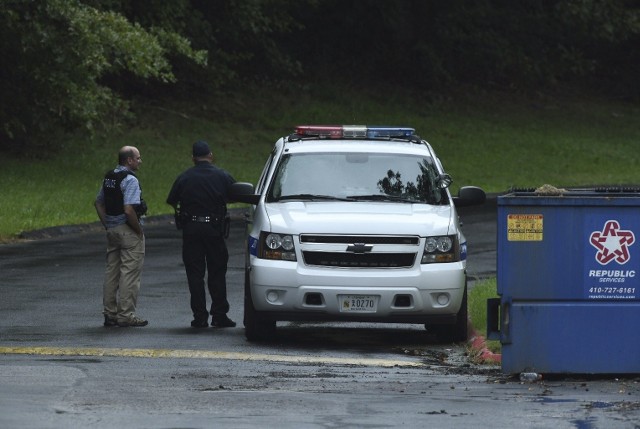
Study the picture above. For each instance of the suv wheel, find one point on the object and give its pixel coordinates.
(458, 332)
(257, 327)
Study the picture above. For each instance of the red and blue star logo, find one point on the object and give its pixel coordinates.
(612, 243)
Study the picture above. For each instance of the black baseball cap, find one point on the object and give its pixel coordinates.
(201, 148)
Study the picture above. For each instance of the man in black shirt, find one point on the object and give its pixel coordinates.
(200, 195)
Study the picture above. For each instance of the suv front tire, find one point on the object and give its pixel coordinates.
(257, 327)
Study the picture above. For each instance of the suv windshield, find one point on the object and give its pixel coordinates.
(357, 177)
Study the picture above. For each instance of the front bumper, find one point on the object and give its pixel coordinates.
(424, 294)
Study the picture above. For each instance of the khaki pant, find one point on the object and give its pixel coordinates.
(125, 256)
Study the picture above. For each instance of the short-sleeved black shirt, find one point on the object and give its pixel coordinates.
(201, 190)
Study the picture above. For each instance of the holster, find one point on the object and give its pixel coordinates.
(226, 226)
(141, 209)
(179, 218)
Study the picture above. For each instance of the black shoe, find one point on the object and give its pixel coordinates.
(199, 324)
(108, 321)
(223, 322)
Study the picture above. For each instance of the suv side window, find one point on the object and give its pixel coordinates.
(265, 171)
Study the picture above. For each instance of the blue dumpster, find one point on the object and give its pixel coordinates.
(568, 281)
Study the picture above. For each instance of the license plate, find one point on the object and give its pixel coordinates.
(358, 303)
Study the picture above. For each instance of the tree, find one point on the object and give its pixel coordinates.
(242, 38)
(58, 57)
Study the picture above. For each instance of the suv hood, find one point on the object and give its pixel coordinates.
(360, 218)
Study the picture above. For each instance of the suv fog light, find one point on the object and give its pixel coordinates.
(443, 299)
(272, 296)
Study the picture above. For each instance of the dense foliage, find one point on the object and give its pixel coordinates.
(520, 44)
(70, 64)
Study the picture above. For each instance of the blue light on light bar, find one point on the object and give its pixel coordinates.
(387, 132)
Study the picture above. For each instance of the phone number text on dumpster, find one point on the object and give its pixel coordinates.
(612, 292)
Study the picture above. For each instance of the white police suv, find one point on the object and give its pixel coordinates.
(355, 223)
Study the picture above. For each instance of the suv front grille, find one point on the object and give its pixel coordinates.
(359, 260)
(395, 256)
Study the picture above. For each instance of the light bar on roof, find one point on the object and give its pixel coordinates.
(354, 131)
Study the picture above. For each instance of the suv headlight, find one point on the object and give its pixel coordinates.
(277, 246)
(440, 249)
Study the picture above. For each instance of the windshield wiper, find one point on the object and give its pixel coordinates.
(311, 197)
(383, 197)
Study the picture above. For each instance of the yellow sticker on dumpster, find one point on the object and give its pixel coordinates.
(524, 227)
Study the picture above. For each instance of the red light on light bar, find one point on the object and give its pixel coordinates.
(326, 131)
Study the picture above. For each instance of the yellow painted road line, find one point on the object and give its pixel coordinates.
(203, 354)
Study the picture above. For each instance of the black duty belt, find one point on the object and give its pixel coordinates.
(203, 219)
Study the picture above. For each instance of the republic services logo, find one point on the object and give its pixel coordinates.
(612, 243)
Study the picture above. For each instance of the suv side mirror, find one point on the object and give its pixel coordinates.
(243, 192)
(469, 196)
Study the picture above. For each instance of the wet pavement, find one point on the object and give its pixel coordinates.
(60, 368)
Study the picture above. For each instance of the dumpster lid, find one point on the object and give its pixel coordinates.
(585, 192)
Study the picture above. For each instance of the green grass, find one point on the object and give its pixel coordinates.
(483, 139)
(477, 302)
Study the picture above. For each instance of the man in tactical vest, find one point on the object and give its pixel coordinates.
(200, 197)
(120, 207)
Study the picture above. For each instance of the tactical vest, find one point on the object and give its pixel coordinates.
(113, 198)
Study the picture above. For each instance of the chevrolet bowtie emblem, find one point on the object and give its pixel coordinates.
(359, 248)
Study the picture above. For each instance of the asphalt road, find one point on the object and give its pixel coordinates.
(59, 367)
